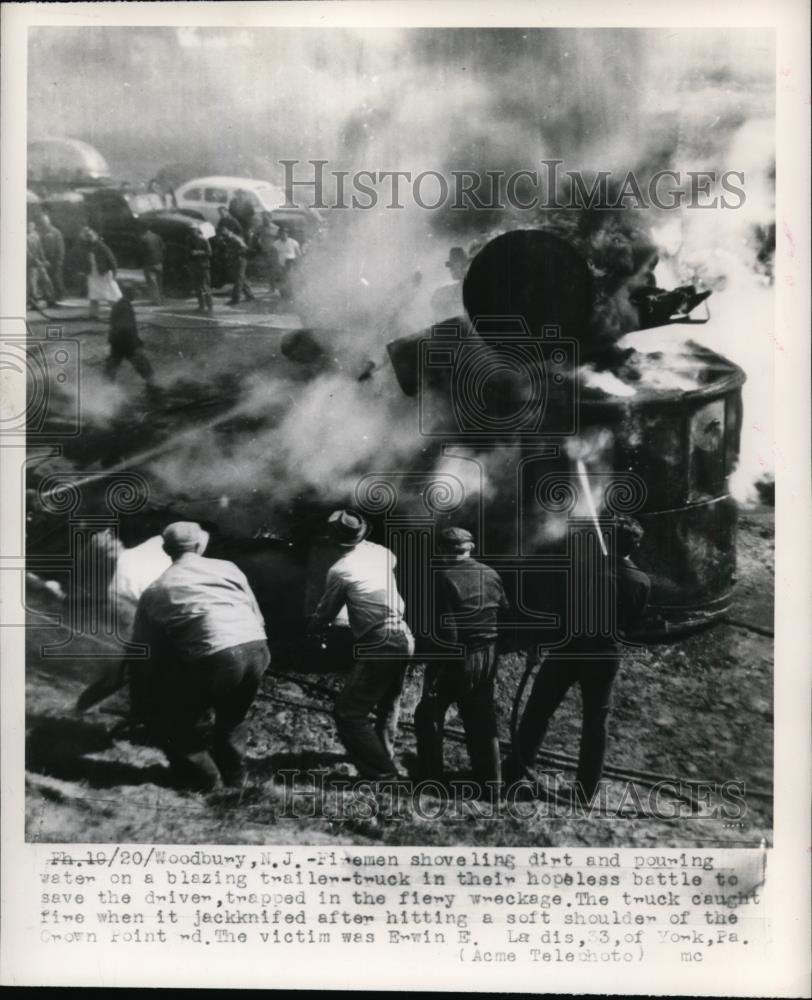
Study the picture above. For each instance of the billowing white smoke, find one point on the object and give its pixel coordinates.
(716, 249)
(426, 100)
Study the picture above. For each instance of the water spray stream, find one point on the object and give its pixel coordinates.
(590, 502)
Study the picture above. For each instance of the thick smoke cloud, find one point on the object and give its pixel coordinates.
(239, 101)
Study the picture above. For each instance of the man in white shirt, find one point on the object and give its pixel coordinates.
(288, 253)
(363, 579)
(207, 649)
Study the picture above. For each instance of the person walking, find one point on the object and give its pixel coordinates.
(153, 252)
(590, 661)
(236, 250)
(242, 209)
(288, 254)
(226, 221)
(208, 649)
(125, 342)
(99, 265)
(468, 598)
(38, 282)
(199, 257)
(363, 579)
(265, 239)
(53, 249)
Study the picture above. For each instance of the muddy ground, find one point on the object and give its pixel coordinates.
(695, 710)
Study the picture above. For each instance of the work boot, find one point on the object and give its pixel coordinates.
(233, 777)
(194, 772)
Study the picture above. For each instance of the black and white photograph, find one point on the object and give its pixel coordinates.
(404, 463)
(400, 458)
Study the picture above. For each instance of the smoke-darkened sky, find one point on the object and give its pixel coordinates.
(412, 98)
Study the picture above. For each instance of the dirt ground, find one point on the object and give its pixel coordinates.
(696, 710)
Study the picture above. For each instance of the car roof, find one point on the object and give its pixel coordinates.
(171, 218)
(65, 196)
(235, 182)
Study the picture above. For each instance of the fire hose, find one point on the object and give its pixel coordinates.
(648, 778)
(108, 685)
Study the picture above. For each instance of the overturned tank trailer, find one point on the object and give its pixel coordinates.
(568, 428)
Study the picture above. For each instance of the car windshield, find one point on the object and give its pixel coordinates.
(140, 203)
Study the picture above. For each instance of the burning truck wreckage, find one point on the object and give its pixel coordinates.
(545, 408)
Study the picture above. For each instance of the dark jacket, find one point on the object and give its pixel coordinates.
(625, 598)
(468, 597)
(123, 338)
(234, 245)
(152, 250)
(243, 211)
(633, 589)
(105, 259)
(53, 245)
(33, 249)
(227, 221)
(199, 250)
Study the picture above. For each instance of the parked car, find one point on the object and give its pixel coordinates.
(207, 194)
(121, 217)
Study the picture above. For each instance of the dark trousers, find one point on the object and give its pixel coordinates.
(173, 698)
(137, 358)
(595, 673)
(468, 683)
(373, 688)
(154, 276)
(55, 274)
(39, 284)
(241, 286)
(201, 276)
(286, 279)
(271, 269)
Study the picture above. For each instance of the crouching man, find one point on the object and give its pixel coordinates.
(363, 579)
(468, 597)
(207, 650)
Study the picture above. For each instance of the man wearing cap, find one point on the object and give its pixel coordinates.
(207, 649)
(468, 597)
(446, 302)
(363, 579)
(590, 661)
